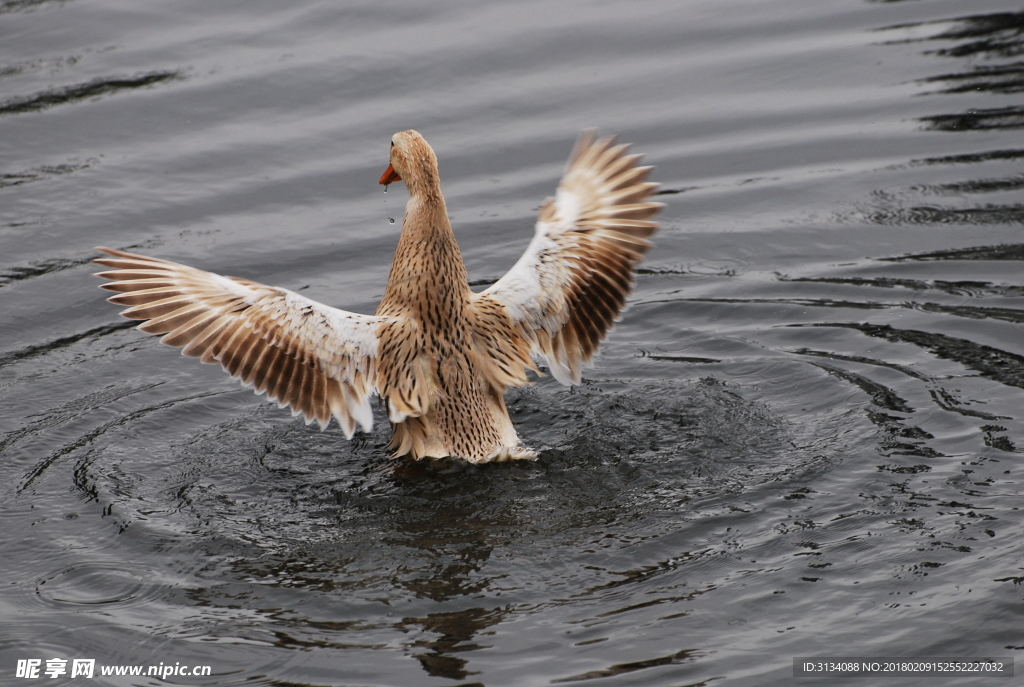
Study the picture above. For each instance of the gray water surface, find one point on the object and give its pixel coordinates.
(803, 438)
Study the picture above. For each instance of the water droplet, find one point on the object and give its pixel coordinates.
(391, 220)
(385, 188)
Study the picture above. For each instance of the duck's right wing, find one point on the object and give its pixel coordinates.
(319, 360)
(570, 285)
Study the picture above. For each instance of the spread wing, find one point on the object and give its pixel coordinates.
(570, 285)
(317, 359)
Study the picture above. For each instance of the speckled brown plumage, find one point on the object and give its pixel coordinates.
(439, 355)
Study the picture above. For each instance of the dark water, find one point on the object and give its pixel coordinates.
(804, 438)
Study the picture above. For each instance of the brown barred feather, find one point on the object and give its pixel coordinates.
(590, 237)
(254, 331)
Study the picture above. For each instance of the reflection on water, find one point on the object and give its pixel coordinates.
(39, 174)
(978, 120)
(69, 94)
(969, 158)
(16, 5)
(1006, 251)
(38, 269)
(996, 40)
(294, 513)
(1001, 366)
(992, 38)
(624, 668)
(455, 633)
(989, 47)
(1000, 34)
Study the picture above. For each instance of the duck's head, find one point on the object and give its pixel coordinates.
(412, 161)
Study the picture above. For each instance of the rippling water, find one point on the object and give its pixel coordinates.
(802, 439)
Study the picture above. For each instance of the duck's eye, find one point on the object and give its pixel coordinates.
(392, 144)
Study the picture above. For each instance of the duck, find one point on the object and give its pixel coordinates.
(439, 355)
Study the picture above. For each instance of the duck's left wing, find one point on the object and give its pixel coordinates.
(568, 288)
(319, 360)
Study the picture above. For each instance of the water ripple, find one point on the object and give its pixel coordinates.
(95, 584)
(998, 365)
(83, 91)
(802, 435)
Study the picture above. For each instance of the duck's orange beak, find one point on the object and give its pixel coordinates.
(389, 176)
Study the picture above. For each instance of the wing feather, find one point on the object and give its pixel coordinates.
(320, 361)
(566, 291)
